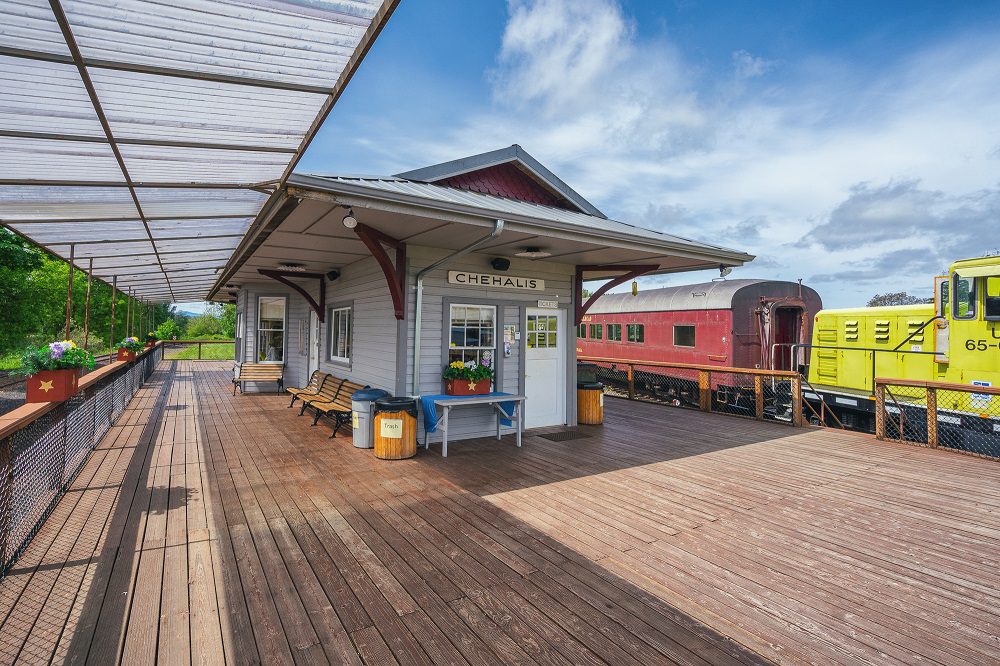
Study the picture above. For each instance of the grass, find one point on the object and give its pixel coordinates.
(210, 351)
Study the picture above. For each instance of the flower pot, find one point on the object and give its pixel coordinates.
(466, 387)
(125, 355)
(53, 385)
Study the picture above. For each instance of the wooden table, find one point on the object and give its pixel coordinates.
(493, 400)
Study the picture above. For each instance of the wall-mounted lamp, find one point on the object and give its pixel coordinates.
(500, 263)
(724, 270)
(333, 275)
(635, 288)
(349, 220)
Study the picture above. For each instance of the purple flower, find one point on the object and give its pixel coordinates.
(485, 362)
(56, 350)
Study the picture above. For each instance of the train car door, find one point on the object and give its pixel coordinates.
(786, 323)
(545, 368)
(942, 303)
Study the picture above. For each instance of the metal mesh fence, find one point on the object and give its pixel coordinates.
(747, 394)
(966, 420)
(39, 461)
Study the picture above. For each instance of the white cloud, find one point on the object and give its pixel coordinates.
(747, 66)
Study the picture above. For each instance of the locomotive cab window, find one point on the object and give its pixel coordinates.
(992, 305)
(636, 332)
(614, 332)
(596, 331)
(964, 306)
(684, 335)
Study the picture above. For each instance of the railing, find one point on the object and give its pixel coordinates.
(958, 417)
(44, 445)
(795, 349)
(199, 350)
(760, 394)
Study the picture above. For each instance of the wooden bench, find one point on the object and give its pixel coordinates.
(258, 372)
(328, 390)
(339, 409)
(310, 389)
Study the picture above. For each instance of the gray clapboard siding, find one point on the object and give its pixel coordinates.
(296, 310)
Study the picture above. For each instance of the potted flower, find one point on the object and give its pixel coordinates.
(128, 348)
(151, 340)
(54, 371)
(468, 378)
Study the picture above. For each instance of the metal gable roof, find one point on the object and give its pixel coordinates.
(485, 204)
(144, 137)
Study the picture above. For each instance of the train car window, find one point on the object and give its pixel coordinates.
(965, 297)
(992, 309)
(581, 331)
(636, 332)
(945, 298)
(615, 332)
(596, 331)
(683, 335)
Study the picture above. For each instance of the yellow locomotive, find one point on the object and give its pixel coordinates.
(956, 339)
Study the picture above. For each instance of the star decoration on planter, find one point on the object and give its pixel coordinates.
(45, 386)
(472, 386)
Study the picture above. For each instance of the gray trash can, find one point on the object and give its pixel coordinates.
(362, 403)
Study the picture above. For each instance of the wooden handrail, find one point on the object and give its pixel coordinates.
(941, 386)
(689, 366)
(204, 342)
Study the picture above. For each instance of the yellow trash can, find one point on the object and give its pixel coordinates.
(395, 428)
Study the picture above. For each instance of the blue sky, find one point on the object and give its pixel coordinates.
(852, 144)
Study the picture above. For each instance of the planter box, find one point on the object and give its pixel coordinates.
(125, 355)
(466, 387)
(53, 385)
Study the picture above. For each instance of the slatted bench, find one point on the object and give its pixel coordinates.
(339, 409)
(310, 389)
(258, 372)
(328, 390)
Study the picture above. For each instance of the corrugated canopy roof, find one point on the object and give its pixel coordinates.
(150, 135)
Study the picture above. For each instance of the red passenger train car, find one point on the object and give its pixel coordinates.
(732, 323)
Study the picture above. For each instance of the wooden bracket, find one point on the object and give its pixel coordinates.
(633, 271)
(283, 278)
(395, 276)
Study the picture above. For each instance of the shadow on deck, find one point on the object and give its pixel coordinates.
(212, 528)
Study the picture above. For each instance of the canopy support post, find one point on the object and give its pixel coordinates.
(114, 299)
(86, 310)
(633, 271)
(283, 277)
(69, 290)
(395, 276)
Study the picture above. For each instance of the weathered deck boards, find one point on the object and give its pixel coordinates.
(210, 528)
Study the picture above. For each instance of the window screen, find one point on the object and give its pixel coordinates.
(684, 335)
(271, 329)
(340, 334)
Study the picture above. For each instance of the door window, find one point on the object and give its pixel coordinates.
(543, 331)
(473, 333)
(271, 329)
(965, 297)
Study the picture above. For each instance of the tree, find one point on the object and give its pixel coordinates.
(203, 326)
(896, 298)
(168, 330)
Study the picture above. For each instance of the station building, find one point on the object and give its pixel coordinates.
(385, 280)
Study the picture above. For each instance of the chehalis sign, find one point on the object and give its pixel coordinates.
(491, 280)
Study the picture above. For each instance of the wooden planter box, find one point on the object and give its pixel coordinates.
(466, 387)
(53, 385)
(125, 355)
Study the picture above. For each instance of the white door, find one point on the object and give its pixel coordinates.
(314, 342)
(545, 368)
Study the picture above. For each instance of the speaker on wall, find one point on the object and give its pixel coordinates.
(500, 263)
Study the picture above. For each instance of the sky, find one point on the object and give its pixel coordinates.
(855, 145)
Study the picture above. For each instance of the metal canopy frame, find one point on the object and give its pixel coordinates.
(139, 113)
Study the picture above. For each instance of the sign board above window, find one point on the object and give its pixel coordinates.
(491, 280)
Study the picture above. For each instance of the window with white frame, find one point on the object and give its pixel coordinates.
(340, 334)
(238, 342)
(472, 331)
(271, 329)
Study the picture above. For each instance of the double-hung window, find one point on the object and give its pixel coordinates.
(271, 329)
(472, 331)
(340, 335)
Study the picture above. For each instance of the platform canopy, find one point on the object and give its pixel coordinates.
(148, 136)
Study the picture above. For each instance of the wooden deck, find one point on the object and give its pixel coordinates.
(210, 528)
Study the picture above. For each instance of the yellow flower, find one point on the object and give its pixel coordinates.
(72, 345)
(457, 364)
